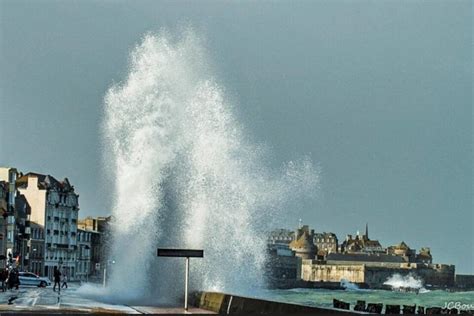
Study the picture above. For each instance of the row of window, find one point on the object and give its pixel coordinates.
(62, 233)
(83, 237)
(66, 220)
(327, 240)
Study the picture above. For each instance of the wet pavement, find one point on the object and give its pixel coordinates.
(34, 299)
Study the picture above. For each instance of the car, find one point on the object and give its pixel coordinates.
(28, 278)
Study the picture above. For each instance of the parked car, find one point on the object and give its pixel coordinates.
(28, 278)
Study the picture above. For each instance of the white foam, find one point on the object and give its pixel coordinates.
(186, 175)
(397, 281)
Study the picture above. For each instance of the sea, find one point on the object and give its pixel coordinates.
(324, 298)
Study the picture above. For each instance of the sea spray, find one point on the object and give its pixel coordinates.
(397, 281)
(186, 174)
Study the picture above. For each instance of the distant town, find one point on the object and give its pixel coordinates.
(40, 229)
(305, 258)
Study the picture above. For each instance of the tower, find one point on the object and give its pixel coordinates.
(367, 231)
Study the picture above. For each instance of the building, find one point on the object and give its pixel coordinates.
(303, 245)
(37, 247)
(402, 250)
(55, 206)
(99, 229)
(84, 239)
(281, 236)
(424, 256)
(326, 243)
(361, 244)
(284, 268)
(3, 221)
(15, 230)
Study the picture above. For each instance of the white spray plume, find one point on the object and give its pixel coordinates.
(186, 175)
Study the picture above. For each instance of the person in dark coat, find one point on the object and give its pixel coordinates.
(13, 279)
(57, 279)
(3, 278)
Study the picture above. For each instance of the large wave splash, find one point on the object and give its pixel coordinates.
(186, 175)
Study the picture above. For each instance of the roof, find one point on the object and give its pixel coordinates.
(325, 235)
(36, 225)
(282, 233)
(364, 257)
(372, 243)
(304, 242)
(44, 181)
(402, 245)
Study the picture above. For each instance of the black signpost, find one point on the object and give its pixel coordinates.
(183, 253)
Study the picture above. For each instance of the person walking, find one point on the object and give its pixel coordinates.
(3, 278)
(13, 279)
(64, 279)
(57, 279)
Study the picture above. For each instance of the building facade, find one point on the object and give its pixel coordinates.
(99, 229)
(84, 239)
(15, 230)
(326, 243)
(361, 244)
(54, 205)
(303, 245)
(36, 253)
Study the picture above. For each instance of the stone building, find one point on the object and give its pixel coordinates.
(84, 240)
(281, 236)
(303, 245)
(99, 229)
(326, 243)
(361, 244)
(3, 221)
(55, 206)
(402, 250)
(36, 249)
(283, 268)
(15, 230)
(424, 256)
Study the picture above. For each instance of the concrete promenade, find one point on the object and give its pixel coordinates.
(44, 300)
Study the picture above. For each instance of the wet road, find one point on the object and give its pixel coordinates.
(28, 298)
(34, 299)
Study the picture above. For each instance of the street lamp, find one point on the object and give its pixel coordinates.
(105, 271)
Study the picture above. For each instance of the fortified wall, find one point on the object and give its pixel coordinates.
(374, 275)
(314, 271)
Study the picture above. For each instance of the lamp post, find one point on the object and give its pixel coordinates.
(104, 281)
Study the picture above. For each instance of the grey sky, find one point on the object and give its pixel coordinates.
(379, 93)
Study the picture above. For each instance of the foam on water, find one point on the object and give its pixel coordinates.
(398, 281)
(186, 174)
(349, 286)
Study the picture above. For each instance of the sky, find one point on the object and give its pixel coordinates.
(377, 93)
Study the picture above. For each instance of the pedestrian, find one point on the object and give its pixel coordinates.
(3, 278)
(13, 279)
(57, 279)
(64, 279)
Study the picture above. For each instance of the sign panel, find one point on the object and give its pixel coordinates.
(166, 252)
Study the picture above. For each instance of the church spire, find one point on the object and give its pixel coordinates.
(367, 231)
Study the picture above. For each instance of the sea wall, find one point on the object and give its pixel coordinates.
(227, 304)
(311, 271)
(464, 281)
(374, 276)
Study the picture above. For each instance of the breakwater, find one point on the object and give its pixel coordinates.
(228, 304)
